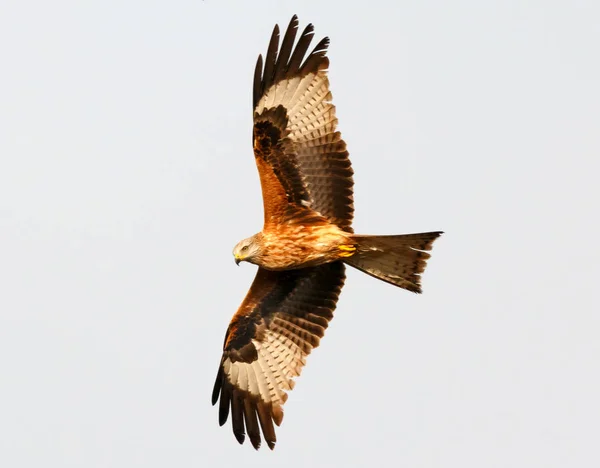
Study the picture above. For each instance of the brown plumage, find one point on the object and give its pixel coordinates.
(306, 181)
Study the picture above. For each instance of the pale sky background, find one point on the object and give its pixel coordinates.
(126, 178)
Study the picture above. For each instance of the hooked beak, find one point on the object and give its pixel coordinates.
(237, 260)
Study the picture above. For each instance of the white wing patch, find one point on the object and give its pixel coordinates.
(271, 375)
(307, 101)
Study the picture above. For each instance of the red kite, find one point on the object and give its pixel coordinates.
(306, 241)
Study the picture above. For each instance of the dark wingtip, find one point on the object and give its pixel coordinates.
(259, 65)
(224, 410)
(255, 441)
(294, 23)
(240, 437)
(217, 387)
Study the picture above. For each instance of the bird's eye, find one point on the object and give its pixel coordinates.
(244, 248)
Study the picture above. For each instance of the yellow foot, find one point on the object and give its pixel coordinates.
(347, 250)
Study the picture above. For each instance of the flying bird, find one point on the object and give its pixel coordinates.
(306, 241)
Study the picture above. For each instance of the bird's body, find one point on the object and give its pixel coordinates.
(307, 238)
(295, 244)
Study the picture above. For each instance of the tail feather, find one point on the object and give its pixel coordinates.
(398, 260)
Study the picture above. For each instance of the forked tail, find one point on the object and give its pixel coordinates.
(398, 260)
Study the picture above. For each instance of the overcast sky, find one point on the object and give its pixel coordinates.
(127, 176)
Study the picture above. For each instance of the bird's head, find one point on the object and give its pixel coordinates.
(247, 250)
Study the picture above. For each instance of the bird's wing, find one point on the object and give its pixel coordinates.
(279, 322)
(301, 158)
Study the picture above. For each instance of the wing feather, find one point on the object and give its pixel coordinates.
(270, 61)
(298, 164)
(258, 84)
(305, 39)
(250, 418)
(280, 321)
(224, 406)
(286, 49)
(237, 415)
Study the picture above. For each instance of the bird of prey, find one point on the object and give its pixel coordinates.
(306, 241)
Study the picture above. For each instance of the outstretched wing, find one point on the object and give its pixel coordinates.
(301, 158)
(279, 322)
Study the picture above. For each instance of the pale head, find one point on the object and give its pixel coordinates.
(247, 250)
